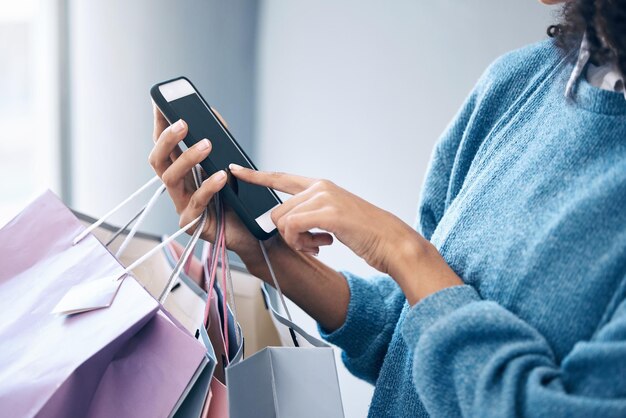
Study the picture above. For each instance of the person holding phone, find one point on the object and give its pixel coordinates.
(509, 298)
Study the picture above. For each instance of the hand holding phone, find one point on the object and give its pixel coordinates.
(178, 99)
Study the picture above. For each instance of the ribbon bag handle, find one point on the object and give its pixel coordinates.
(212, 255)
(185, 258)
(100, 293)
(106, 216)
(280, 293)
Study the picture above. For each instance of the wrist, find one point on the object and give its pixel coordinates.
(407, 256)
(252, 256)
(420, 270)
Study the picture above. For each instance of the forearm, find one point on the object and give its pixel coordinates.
(318, 289)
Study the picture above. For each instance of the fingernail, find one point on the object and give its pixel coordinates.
(203, 145)
(234, 167)
(220, 175)
(178, 126)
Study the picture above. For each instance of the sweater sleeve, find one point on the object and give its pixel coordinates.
(374, 308)
(472, 357)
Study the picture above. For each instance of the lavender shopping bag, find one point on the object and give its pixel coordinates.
(127, 360)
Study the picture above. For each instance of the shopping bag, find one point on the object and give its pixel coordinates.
(152, 274)
(185, 302)
(80, 365)
(299, 380)
(219, 322)
(253, 314)
(200, 393)
(225, 332)
(285, 382)
(144, 370)
(290, 333)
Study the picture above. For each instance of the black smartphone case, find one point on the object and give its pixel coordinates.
(227, 193)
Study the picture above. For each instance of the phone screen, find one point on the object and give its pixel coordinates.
(203, 124)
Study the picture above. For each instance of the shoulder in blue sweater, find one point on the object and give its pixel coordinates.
(524, 199)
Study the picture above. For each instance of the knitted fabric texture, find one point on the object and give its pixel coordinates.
(525, 199)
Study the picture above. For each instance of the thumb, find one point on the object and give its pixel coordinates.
(219, 116)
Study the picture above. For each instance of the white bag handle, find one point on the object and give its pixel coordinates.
(191, 244)
(280, 293)
(187, 252)
(140, 217)
(100, 221)
(144, 212)
(157, 248)
(274, 280)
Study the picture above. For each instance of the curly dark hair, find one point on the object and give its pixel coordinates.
(605, 24)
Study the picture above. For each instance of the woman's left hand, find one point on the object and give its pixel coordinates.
(383, 240)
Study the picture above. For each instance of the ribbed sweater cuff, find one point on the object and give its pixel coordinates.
(365, 319)
(434, 307)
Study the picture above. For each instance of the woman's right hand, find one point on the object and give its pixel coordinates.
(174, 167)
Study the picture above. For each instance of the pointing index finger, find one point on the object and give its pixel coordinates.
(287, 183)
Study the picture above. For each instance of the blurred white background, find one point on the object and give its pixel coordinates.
(354, 91)
(29, 88)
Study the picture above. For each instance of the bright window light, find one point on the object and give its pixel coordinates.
(28, 115)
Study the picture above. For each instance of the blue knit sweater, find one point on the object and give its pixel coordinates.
(525, 199)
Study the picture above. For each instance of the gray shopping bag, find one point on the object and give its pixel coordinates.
(298, 380)
(285, 382)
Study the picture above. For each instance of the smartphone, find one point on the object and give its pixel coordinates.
(179, 99)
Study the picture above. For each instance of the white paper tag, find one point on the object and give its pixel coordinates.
(89, 296)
